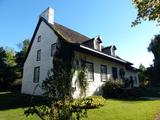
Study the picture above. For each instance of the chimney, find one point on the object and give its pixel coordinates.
(48, 15)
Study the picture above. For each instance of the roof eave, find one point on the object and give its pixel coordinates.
(98, 53)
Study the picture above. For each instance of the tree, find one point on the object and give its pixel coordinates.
(2, 56)
(6, 73)
(11, 65)
(154, 47)
(20, 56)
(147, 10)
(142, 74)
(3, 64)
(10, 57)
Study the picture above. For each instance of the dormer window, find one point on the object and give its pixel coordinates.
(110, 50)
(113, 48)
(94, 43)
(39, 38)
(97, 43)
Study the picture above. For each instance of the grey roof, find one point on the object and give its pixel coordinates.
(68, 34)
(108, 47)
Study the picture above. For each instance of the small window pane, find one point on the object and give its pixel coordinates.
(38, 55)
(103, 72)
(90, 71)
(53, 49)
(39, 38)
(36, 74)
(114, 73)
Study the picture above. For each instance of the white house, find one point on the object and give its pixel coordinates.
(102, 62)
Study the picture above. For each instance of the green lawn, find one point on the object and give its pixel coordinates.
(126, 110)
(12, 106)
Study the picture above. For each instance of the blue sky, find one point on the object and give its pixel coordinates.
(109, 18)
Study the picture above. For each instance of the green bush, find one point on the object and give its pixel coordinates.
(89, 102)
(131, 93)
(16, 85)
(112, 88)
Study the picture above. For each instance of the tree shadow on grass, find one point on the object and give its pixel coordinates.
(10, 100)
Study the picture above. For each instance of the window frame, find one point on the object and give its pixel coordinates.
(39, 38)
(116, 73)
(105, 66)
(54, 44)
(135, 80)
(87, 62)
(38, 55)
(35, 73)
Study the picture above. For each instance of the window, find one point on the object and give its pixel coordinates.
(97, 45)
(38, 55)
(103, 72)
(53, 49)
(114, 73)
(135, 80)
(131, 81)
(90, 71)
(36, 74)
(39, 38)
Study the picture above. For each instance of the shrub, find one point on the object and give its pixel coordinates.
(16, 85)
(89, 102)
(131, 93)
(112, 88)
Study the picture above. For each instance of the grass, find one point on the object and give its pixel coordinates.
(126, 110)
(12, 107)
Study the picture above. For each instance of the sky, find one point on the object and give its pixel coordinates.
(109, 18)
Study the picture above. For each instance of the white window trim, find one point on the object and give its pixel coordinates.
(90, 80)
(102, 80)
(35, 73)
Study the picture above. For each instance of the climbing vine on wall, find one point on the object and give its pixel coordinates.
(82, 77)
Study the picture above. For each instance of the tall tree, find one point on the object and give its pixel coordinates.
(142, 75)
(6, 73)
(154, 47)
(2, 55)
(3, 64)
(147, 10)
(21, 54)
(10, 57)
